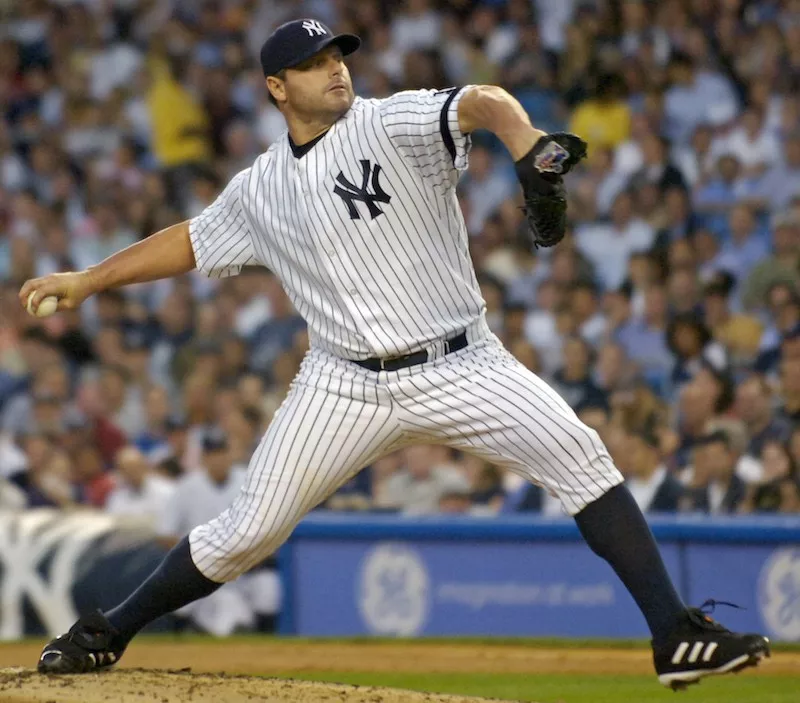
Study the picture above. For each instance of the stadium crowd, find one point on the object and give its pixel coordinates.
(669, 318)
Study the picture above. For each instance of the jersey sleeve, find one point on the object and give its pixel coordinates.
(221, 237)
(424, 125)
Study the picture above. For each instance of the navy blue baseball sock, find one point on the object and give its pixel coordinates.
(615, 529)
(175, 583)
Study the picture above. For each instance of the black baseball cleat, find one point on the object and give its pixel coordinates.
(702, 647)
(88, 646)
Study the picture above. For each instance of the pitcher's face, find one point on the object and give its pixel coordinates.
(320, 87)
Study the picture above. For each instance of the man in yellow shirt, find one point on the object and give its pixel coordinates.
(181, 135)
(605, 119)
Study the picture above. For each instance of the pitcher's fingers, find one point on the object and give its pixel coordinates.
(28, 287)
(41, 288)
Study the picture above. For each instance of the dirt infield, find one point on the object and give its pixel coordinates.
(140, 686)
(153, 670)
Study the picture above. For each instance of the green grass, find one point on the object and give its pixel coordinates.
(544, 688)
(538, 643)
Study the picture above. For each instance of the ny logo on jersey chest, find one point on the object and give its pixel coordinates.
(350, 192)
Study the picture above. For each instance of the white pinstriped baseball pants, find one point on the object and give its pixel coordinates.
(338, 417)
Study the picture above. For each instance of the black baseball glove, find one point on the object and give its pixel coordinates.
(540, 172)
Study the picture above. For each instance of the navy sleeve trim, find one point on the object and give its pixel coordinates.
(444, 123)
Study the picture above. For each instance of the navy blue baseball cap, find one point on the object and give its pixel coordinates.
(294, 42)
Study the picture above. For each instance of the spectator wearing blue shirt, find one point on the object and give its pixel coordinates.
(781, 183)
(713, 200)
(746, 246)
(645, 339)
(696, 97)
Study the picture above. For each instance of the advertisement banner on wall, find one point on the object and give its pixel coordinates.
(764, 581)
(531, 577)
(512, 589)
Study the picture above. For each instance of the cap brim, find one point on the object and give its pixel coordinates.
(348, 43)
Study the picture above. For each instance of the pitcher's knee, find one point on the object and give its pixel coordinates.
(223, 552)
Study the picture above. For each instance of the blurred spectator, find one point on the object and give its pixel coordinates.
(604, 120)
(486, 486)
(790, 389)
(748, 467)
(657, 170)
(46, 480)
(739, 333)
(584, 303)
(573, 381)
(426, 475)
(152, 440)
(645, 339)
(486, 187)
(781, 266)
(203, 494)
(715, 488)
(781, 183)
(140, 492)
(654, 489)
(773, 493)
(90, 475)
(745, 247)
(696, 96)
(691, 343)
(754, 404)
(608, 246)
(197, 498)
(277, 334)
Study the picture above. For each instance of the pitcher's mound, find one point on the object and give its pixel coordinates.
(146, 686)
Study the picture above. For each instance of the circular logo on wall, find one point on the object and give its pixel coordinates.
(394, 590)
(779, 594)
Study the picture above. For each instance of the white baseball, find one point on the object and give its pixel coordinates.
(47, 306)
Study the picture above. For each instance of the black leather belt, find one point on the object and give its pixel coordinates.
(401, 362)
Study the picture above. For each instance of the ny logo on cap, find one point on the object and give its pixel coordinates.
(313, 27)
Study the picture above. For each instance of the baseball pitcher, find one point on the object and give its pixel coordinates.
(355, 210)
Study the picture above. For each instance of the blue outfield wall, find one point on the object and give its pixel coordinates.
(525, 576)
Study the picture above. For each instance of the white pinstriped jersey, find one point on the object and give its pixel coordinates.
(364, 229)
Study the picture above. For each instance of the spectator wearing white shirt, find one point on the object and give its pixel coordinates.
(609, 246)
(653, 488)
(541, 329)
(203, 494)
(755, 146)
(140, 492)
(696, 160)
(426, 476)
(200, 496)
(585, 303)
(419, 27)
